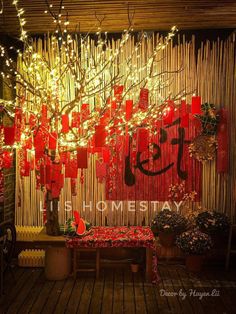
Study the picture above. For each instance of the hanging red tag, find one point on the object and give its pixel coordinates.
(53, 140)
(71, 169)
(184, 115)
(32, 120)
(18, 125)
(9, 135)
(100, 136)
(128, 109)
(65, 123)
(101, 170)
(106, 155)
(169, 113)
(75, 122)
(118, 91)
(142, 139)
(7, 160)
(196, 105)
(82, 158)
(84, 112)
(143, 98)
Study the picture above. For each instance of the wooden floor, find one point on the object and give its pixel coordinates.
(119, 291)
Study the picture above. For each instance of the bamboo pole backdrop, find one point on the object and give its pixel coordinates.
(211, 73)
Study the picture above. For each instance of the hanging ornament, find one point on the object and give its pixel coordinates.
(203, 148)
(143, 98)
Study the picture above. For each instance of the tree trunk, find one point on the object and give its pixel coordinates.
(52, 225)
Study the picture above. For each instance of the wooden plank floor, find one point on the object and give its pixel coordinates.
(120, 291)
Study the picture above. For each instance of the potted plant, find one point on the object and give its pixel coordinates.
(168, 224)
(215, 224)
(195, 244)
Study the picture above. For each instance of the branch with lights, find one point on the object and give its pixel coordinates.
(76, 95)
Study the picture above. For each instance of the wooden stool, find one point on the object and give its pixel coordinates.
(76, 255)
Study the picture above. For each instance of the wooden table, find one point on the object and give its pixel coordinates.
(128, 237)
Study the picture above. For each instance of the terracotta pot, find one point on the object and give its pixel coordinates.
(134, 268)
(166, 239)
(194, 262)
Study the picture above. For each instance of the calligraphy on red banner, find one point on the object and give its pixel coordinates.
(146, 174)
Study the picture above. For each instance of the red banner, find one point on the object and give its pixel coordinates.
(147, 175)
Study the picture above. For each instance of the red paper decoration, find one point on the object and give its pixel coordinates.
(53, 140)
(18, 120)
(32, 120)
(82, 158)
(75, 119)
(101, 170)
(105, 155)
(9, 135)
(71, 169)
(100, 136)
(128, 109)
(184, 115)
(65, 123)
(169, 113)
(196, 105)
(84, 112)
(143, 98)
(118, 91)
(142, 139)
(7, 160)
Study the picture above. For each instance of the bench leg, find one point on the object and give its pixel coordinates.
(149, 264)
(75, 262)
(97, 263)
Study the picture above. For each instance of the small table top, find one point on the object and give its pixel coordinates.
(135, 236)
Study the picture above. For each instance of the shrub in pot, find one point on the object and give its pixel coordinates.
(195, 244)
(215, 224)
(168, 224)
